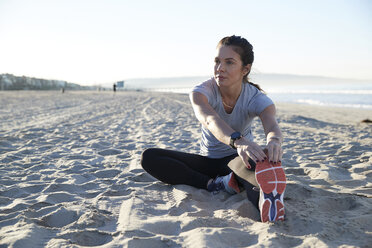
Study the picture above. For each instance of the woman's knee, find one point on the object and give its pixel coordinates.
(148, 157)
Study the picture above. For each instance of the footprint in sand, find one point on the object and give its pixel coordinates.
(87, 238)
(34, 188)
(156, 242)
(110, 173)
(295, 171)
(55, 198)
(94, 218)
(63, 187)
(122, 192)
(142, 177)
(163, 227)
(40, 210)
(4, 200)
(15, 206)
(224, 237)
(338, 204)
(14, 193)
(108, 152)
(98, 144)
(295, 190)
(60, 218)
(78, 156)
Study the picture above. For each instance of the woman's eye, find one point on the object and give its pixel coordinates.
(229, 62)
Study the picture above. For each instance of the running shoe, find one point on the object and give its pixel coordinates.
(272, 182)
(227, 183)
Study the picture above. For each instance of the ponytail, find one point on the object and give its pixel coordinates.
(257, 86)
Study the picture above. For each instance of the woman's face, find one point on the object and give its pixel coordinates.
(228, 67)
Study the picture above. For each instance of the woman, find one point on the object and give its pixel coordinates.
(229, 160)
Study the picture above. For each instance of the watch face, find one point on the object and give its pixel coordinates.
(236, 135)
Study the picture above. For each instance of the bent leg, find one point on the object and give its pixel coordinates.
(176, 167)
(271, 180)
(239, 168)
(246, 178)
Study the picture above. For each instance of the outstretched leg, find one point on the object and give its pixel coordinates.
(246, 178)
(272, 181)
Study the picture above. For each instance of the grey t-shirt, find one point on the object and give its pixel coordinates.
(250, 104)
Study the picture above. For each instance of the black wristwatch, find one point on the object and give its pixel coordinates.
(233, 137)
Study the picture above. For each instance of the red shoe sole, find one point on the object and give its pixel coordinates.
(280, 210)
(272, 181)
(265, 211)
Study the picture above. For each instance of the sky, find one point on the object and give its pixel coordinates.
(94, 42)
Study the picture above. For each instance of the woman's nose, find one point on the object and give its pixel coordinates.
(220, 67)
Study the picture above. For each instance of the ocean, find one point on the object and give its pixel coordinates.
(310, 90)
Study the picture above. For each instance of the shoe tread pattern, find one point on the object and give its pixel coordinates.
(272, 181)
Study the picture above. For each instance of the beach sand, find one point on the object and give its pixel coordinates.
(70, 176)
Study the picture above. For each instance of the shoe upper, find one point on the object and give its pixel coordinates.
(221, 183)
(216, 185)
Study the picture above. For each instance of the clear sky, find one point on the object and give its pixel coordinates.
(97, 42)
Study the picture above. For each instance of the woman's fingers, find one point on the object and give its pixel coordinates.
(260, 154)
(270, 152)
(274, 151)
(280, 155)
(246, 162)
(255, 153)
(245, 159)
(251, 154)
(251, 150)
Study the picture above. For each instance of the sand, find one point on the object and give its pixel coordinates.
(70, 176)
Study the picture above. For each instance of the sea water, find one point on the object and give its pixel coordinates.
(312, 91)
(350, 96)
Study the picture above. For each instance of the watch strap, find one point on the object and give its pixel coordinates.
(233, 137)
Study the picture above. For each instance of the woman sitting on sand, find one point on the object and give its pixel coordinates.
(229, 160)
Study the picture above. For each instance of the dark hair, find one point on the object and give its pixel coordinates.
(242, 47)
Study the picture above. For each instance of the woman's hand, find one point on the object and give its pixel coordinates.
(247, 149)
(274, 150)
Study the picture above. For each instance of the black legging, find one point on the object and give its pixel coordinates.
(174, 167)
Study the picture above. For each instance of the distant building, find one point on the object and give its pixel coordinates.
(120, 84)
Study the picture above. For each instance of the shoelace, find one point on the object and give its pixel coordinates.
(216, 187)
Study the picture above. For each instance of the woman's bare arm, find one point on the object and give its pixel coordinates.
(273, 134)
(209, 118)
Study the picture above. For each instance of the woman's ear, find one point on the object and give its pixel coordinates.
(247, 69)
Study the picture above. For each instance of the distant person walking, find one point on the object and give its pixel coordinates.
(114, 88)
(229, 159)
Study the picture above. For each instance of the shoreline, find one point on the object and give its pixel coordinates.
(185, 91)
